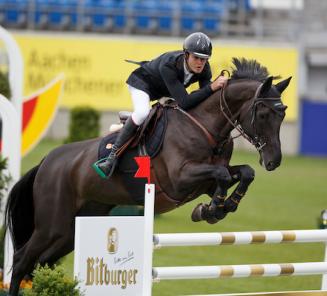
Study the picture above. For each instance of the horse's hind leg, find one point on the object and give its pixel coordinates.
(59, 248)
(64, 244)
(25, 258)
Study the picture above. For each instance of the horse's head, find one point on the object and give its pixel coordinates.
(261, 118)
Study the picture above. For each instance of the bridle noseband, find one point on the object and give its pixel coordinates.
(256, 141)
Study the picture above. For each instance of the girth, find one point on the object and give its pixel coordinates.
(166, 202)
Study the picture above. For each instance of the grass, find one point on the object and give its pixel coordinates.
(291, 197)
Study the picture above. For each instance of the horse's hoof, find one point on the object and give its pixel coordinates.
(197, 213)
(201, 212)
(212, 220)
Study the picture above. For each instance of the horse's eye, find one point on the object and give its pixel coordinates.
(262, 115)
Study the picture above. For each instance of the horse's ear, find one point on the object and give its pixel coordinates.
(266, 86)
(281, 86)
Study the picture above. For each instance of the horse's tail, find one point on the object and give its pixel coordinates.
(19, 213)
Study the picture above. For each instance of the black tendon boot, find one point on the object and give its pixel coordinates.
(106, 167)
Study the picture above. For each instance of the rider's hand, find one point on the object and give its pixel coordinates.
(218, 83)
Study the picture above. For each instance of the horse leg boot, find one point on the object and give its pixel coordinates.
(245, 175)
(215, 211)
(107, 167)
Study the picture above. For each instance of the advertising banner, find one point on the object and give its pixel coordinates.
(113, 255)
(106, 262)
(96, 72)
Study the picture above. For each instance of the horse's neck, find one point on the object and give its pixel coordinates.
(209, 111)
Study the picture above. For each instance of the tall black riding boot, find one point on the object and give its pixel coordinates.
(107, 167)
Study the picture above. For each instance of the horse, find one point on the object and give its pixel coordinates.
(194, 160)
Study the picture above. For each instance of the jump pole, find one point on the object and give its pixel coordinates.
(239, 238)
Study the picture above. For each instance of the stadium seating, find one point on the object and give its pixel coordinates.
(173, 17)
(14, 13)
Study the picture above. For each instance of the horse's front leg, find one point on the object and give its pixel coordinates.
(243, 174)
(214, 211)
(193, 174)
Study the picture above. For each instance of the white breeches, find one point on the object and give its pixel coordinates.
(141, 104)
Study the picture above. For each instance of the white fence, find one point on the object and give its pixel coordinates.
(240, 238)
(152, 242)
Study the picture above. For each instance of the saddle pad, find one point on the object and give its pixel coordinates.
(153, 139)
(105, 145)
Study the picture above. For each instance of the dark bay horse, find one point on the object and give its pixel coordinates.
(194, 160)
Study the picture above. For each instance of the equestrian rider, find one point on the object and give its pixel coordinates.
(167, 76)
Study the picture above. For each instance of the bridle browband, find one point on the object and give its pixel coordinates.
(255, 140)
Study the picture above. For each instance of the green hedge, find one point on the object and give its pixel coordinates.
(84, 124)
(4, 182)
(4, 85)
(4, 179)
(5, 293)
(52, 282)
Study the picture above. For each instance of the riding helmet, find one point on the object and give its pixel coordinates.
(198, 44)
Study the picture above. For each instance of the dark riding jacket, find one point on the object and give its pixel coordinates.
(164, 77)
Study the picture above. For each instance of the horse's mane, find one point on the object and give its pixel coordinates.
(250, 69)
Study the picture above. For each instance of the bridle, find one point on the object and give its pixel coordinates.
(255, 140)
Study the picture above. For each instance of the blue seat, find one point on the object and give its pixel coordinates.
(235, 4)
(15, 13)
(104, 12)
(41, 15)
(165, 15)
(212, 13)
(61, 13)
(143, 13)
(97, 11)
(190, 15)
(119, 14)
(71, 12)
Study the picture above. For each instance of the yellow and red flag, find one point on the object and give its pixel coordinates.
(39, 110)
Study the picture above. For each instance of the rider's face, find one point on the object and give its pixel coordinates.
(195, 63)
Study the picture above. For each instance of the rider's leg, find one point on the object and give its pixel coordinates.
(141, 104)
(141, 110)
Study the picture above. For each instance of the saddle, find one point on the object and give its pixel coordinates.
(148, 138)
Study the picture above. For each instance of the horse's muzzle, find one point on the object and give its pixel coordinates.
(269, 165)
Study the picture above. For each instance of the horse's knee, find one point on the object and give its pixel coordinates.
(247, 174)
(223, 175)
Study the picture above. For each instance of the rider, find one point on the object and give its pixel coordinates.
(167, 76)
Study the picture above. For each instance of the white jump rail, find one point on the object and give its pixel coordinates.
(240, 238)
(238, 271)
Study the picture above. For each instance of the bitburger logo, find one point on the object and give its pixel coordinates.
(112, 245)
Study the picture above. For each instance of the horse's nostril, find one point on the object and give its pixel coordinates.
(270, 164)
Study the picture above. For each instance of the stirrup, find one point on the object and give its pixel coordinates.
(95, 166)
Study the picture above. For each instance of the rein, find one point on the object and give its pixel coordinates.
(210, 138)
